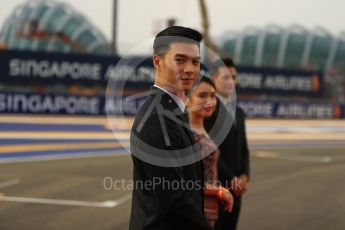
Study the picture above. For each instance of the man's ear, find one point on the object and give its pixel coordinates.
(156, 59)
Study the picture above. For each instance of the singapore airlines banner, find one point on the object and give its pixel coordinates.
(35, 103)
(279, 82)
(49, 104)
(96, 105)
(291, 110)
(57, 67)
(19, 67)
(42, 67)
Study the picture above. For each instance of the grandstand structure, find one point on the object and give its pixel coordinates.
(40, 25)
(294, 47)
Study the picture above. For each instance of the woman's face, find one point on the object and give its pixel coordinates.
(202, 101)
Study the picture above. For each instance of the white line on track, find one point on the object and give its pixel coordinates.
(8, 183)
(104, 204)
(305, 158)
(294, 129)
(64, 136)
(64, 156)
(299, 146)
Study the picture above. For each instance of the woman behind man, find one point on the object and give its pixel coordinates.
(201, 103)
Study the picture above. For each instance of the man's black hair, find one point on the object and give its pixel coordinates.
(224, 62)
(172, 34)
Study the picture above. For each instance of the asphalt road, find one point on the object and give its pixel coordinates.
(297, 173)
(301, 191)
(289, 189)
(70, 181)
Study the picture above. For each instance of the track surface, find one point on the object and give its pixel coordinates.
(57, 172)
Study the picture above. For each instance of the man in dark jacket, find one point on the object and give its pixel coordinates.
(234, 154)
(168, 171)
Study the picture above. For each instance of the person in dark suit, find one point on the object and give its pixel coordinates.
(233, 163)
(167, 166)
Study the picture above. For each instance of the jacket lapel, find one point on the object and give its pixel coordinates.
(172, 111)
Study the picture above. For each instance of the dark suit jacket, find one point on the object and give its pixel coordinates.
(234, 153)
(164, 207)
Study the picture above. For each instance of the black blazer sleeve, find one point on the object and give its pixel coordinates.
(244, 144)
(178, 205)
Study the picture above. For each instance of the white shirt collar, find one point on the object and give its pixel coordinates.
(180, 103)
(224, 100)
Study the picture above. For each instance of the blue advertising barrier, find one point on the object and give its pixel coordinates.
(58, 67)
(50, 104)
(23, 66)
(279, 82)
(128, 106)
(291, 110)
(67, 104)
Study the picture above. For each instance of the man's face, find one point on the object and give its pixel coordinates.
(225, 81)
(179, 67)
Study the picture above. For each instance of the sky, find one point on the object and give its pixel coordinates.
(137, 19)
